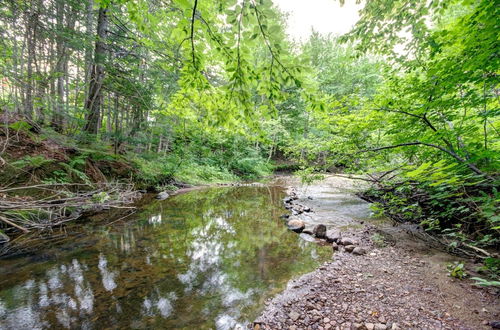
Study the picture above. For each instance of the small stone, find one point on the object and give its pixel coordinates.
(382, 319)
(370, 326)
(395, 326)
(380, 326)
(294, 315)
(335, 246)
(357, 326)
(350, 248)
(359, 251)
(326, 320)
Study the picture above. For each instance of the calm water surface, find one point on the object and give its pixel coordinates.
(199, 260)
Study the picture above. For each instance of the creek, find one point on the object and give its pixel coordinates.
(203, 259)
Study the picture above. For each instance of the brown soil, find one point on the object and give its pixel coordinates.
(400, 285)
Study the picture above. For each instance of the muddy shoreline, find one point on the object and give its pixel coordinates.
(400, 283)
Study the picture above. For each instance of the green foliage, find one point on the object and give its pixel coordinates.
(485, 283)
(456, 270)
(20, 126)
(100, 197)
(31, 162)
(308, 175)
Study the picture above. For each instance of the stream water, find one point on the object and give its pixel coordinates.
(203, 259)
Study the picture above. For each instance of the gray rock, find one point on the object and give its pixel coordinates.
(307, 237)
(370, 326)
(320, 231)
(163, 195)
(380, 326)
(296, 225)
(359, 251)
(349, 248)
(335, 247)
(347, 241)
(294, 315)
(333, 235)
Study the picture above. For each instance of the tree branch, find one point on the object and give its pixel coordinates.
(192, 32)
(472, 167)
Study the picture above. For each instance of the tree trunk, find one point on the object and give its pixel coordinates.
(94, 97)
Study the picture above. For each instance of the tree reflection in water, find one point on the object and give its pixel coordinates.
(204, 259)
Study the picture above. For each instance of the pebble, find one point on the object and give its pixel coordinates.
(370, 326)
(294, 315)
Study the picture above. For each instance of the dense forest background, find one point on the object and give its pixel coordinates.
(161, 91)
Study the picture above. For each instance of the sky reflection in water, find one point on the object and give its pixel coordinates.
(204, 259)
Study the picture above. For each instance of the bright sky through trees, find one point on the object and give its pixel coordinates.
(324, 16)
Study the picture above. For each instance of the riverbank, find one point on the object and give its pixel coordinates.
(48, 179)
(400, 283)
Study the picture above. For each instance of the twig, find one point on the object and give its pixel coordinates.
(192, 32)
(7, 221)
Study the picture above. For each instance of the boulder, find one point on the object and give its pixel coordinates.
(333, 236)
(349, 248)
(163, 195)
(296, 225)
(320, 231)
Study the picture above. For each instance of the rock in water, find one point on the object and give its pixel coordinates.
(320, 231)
(163, 195)
(296, 225)
(333, 236)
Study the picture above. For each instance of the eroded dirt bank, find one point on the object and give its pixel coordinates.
(400, 283)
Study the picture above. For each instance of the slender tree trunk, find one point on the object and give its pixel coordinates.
(30, 44)
(94, 97)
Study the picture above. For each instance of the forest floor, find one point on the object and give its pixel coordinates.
(400, 283)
